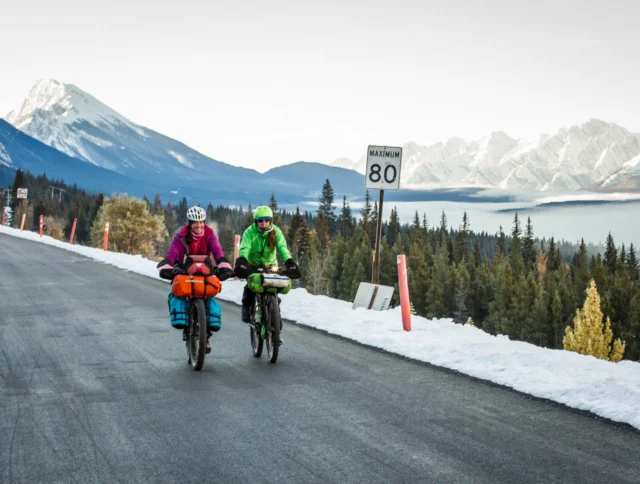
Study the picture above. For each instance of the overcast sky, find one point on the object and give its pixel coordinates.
(261, 84)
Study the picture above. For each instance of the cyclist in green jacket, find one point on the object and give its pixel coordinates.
(261, 243)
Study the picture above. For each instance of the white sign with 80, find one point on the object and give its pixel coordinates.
(383, 168)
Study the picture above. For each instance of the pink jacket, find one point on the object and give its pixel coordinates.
(207, 244)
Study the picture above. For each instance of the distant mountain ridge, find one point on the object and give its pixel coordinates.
(594, 154)
(77, 124)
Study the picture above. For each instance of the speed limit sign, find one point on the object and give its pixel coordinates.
(383, 168)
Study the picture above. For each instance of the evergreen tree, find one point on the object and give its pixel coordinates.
(327, 208)
(462, 247)
(345, 221)
(181, 209)
(451, 257)
(619, 297)
(517, 264)
(632, 263)
(557, 319)
(294, 226)
(211, 215)
(249, 220)
(610, 255)
(501, 249)
(273, 205)
(632, 338)
(539, 323)
(435, 295)
(416, 231)
(502, 303)
(589, 336)
(156, 206)
(393, 230)
(580, 271)
(462, 292)
(476, 254)
(337, 255)
(599, 274)
(481, 295)
(366, 215)
(322, 232)
(443, 227)
(302, 240)
(95, 208)
(553, 261)
(418, 277)
(529, 252)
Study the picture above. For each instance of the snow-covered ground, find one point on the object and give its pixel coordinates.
(610, 390)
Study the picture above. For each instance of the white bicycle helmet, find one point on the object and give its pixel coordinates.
(196, 214)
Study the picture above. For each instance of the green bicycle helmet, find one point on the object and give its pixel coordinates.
(262, 212)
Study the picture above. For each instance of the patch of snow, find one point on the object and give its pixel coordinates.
(181, 159)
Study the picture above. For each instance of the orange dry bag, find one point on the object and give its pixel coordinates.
(195, 286)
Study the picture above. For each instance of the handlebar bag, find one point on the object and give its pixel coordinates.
(196, 286)
(269, 283)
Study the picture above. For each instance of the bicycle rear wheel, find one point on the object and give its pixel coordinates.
(197, 340)
(272, 316)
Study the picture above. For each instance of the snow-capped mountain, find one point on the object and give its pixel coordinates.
(76, 123)
(590, 155)
(18, 150)
(626, 177)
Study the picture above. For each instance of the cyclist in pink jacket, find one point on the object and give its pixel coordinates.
(195, 238)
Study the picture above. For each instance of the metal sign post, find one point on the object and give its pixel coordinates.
(383, 173)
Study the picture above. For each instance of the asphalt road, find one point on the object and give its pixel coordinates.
(95, 387)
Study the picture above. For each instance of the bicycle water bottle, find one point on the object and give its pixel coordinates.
(258, 314)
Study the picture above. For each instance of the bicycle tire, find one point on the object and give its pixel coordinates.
(257, 342)
(272, 312)
(197, 342)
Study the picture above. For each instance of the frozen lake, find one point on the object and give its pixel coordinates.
(568, 216)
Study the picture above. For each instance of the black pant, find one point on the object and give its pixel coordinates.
(248, 297)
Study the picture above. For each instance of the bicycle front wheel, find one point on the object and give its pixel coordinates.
(254, 332)
(272, 315)
(197, 340)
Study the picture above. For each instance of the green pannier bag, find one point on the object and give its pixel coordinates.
(269, 283)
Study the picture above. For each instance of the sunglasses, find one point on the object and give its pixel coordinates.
(263, 219)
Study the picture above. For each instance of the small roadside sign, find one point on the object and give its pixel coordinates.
(22, 193)
(373, 296)
(383, 168)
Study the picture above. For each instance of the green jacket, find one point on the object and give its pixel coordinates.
(255, 249)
